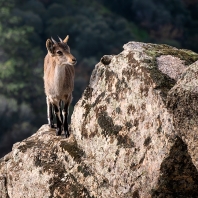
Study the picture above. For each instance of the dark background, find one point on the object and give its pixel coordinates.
(96, 27)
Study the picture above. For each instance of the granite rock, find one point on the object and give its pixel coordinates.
(134, 133)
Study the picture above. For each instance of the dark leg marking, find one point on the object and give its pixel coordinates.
(58, 119)
(51, 116)
(49, 113)
(60, 105)
(65, 120)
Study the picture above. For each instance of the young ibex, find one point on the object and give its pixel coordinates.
(58, 82)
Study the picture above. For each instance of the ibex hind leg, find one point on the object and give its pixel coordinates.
(65, 119)
(50, 114)
(61, 107)
(58, 119)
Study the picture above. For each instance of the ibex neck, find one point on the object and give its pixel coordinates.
(63, 79)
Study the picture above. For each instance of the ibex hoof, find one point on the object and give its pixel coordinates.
(67, 134)
(58, 132)
(51, 126)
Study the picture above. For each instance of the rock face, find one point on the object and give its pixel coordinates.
(134, 134)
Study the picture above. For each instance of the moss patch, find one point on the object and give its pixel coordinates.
(118, 110)
(84, 131)
(131, 109)
(70, 187)
(56, 182)
(132, 60)
(163, 81)
(104, 183)
(128, 125)
(74, 151)
(88, 92)
(125, 141)
(28, 144)
(107, 125)
(111, 130)
(120, 85)
(187, 56)
(128, 73)
(47, 160)
(136, 194)
(147, 141)
(84, 169)
(110, 76)
(88, 108)
(98, 99)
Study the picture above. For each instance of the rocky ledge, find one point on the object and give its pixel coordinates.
(134, 134)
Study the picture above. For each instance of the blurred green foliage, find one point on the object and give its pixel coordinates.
(95, 28)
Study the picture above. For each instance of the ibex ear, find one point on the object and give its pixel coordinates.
(66, 39)
(49, 46)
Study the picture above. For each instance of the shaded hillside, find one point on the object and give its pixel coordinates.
(95, 28)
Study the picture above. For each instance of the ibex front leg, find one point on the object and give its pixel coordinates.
(65, 119)
(49, 113)
(58, 119)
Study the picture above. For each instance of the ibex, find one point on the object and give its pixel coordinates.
(59, 82)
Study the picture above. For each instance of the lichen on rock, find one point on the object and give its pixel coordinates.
(134, 133)
(132, 118)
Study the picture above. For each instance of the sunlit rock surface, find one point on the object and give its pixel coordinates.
(134, 134)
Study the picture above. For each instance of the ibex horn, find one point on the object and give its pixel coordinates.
(60, 39)
(66, 39)
(53, 41)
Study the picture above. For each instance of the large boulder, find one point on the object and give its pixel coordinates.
(134, 133)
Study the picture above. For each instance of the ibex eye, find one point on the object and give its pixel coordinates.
(59, 53)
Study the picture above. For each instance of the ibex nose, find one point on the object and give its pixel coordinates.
(74, 60)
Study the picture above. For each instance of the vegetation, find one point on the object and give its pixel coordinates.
(95, 28)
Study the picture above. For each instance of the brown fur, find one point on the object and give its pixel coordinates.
(58, 73)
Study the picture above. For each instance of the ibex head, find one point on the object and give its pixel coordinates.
(61, 51)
